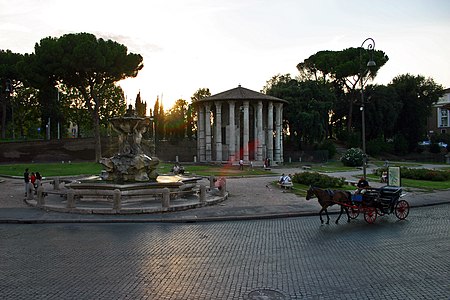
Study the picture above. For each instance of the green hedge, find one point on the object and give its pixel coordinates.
(420, 174)
(318, 180)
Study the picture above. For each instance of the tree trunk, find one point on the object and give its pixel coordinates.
(4, 118)
(98, 145)
(350, 117)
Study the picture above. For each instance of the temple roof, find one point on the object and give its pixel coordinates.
(241, 93)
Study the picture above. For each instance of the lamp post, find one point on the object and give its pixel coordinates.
(8, 91)
(371, 63)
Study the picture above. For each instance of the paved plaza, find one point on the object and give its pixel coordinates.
(261, 243)
(285, 258)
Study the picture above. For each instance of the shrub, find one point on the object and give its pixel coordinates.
(353, 157)
(318, 180)
(377, 146)
(328, 145)
(353, 140)
(419, 174)
(434, 148)
(400, 144)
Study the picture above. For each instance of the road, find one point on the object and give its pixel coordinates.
(287, 258)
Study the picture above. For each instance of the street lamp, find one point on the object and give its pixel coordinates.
(371, 63)
(8, 91)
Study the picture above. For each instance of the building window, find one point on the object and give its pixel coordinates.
(443, 118)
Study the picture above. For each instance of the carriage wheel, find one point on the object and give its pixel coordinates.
(370, 215)
(353, 212)
(402, 209)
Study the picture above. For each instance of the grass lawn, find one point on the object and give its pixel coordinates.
(53, 169)
(92, 168)
(328, 167)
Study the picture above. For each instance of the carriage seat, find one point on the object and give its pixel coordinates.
(390, 193)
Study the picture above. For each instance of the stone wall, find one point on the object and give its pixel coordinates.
(82, 149)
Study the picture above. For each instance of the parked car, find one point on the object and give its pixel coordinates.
(428, 143)
(425, 143)
(442, 145)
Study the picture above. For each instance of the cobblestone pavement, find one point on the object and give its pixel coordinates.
(288, 258)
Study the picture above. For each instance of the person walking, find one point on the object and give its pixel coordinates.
(241, 164)
(33, 180)
(26, 179)
(38, 181)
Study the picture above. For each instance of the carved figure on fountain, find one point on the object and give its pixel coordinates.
(130, 164)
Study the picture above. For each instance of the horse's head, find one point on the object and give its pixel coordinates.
(310, 193)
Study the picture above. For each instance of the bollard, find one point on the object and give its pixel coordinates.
(70, 199)
(176, 158)
(56, 184)
(40, 196)
(202, 193)
(166, 198)
(223, 187)
(117, 202)
(211, 182)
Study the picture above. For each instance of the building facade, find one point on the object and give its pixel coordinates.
(240, 124)
(439, 121)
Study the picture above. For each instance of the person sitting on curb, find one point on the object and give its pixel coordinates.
(281, 179)
(383, 178)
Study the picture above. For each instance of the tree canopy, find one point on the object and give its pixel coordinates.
(9, 76)
(345, 69)
(416, 95)
(88, 64)
(309, 105)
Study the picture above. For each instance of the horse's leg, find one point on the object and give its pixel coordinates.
(326, 212)
(340, 214)
(320, 215)
(348, 215)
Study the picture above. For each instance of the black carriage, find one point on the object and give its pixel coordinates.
(379, 202)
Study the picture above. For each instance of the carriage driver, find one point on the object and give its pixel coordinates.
(362, 185)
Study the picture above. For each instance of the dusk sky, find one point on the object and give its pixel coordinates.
(192, 44)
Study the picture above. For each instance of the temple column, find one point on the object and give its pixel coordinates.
(201, 132)
(246, 133)
(259, 132)
(278, 134)
(232, 132)
(218, 135)
(208, 131)
(270, 131)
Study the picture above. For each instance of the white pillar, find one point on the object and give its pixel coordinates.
(232, 132)
(281, 135)
(270, 131)
(259, 132)
(208, 131)
(218, 124)
(246, 130)
(201, 133)
(278, 136)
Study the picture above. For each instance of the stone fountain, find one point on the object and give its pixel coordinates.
(129, 182)
(130, 164)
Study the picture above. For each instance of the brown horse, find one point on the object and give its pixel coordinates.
(330, 198)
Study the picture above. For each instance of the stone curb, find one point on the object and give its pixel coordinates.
(182, 220)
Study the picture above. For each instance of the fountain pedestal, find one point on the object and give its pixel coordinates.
(130, 164)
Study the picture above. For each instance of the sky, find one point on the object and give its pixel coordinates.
(220, 44)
